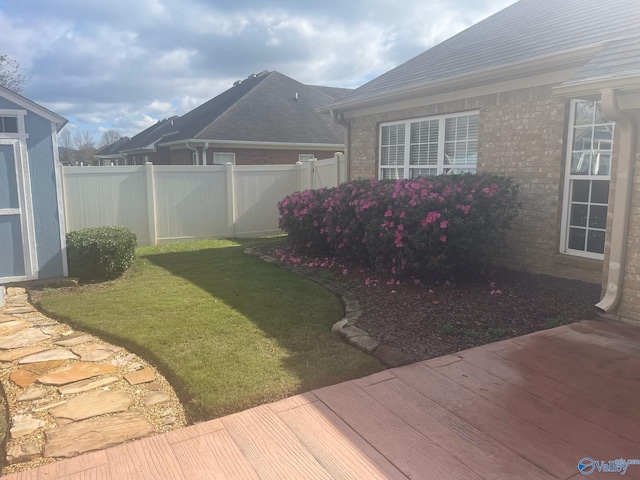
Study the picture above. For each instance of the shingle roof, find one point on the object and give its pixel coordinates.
(525, 30)
(113, 148)
(149, 136)
(269, 107)
(617, 58)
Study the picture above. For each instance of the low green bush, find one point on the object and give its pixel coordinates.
(438, 226)
(100, 253)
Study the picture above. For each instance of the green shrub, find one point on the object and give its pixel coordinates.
(101, 253)
(441, 226)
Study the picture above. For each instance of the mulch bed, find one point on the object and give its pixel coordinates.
(426, 321)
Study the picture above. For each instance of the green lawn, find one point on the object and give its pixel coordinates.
(227, 330)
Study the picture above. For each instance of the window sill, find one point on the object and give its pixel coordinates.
(578, 262)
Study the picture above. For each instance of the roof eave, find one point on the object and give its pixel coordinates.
(547, 63)
(253, 144)
(45, 113)
(625, 83)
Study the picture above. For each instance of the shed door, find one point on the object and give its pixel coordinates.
(15, 252)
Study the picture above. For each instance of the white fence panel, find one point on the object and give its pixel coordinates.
(258, 189)
(115, 197)
(170, 203)
(190, 202)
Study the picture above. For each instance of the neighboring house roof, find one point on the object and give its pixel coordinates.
(523, 32)
(113, 148)
(34, 107)
(266, 107)
(146, 139)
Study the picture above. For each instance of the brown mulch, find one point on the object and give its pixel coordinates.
(426, 321)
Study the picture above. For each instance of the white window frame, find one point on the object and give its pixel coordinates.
(218, 162)
(305, 157)
(406, 166)
(19, 115)
(568, 187)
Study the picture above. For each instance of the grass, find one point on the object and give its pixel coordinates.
(227, 330)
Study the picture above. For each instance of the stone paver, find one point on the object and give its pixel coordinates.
(11, 355)
(24, 338)
(22, 452)
(86, 385)
(32, 392)
(92, 404)
(94, 434)
(94, 352)
(77, 371)
(47, 355)
(7, 328)
(155, 398)
(140, 376)
(30, 373)
(24, 425)
(75, 338)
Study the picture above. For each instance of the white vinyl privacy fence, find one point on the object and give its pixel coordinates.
(169, 203)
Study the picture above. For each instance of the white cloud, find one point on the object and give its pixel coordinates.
(124, 65)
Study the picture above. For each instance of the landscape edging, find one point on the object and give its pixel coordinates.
(345, 328)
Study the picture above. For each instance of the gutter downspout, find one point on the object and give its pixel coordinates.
(338, 118)
(195, 150)
(622, 200)
(204, 153)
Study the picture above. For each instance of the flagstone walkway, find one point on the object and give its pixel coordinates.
(69, 392)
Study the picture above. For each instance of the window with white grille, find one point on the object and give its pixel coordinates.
(429, 146)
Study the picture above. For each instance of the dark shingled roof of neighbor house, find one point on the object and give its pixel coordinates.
(523, 31)
(146, 138)
(113, 148)
(266, 107)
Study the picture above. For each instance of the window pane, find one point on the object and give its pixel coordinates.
(580, 191)
(576, 238)
(579, 215)
(595, 243)
(603, 137)
(9, 125)
(600, 191)
(598, 217)
(584, 113)
(422, 172)
(450, 129)
(392, 173)
(602, 164)
(582, 138)
(580, 163)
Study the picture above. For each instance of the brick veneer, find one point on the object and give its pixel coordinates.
(522, 135)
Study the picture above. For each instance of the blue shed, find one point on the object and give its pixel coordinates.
(32, 233)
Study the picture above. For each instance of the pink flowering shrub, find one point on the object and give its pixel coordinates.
(425, 227)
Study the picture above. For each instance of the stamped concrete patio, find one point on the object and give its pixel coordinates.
(529, 408)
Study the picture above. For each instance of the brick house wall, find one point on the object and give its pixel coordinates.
(522, 135)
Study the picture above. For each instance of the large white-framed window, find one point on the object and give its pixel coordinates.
(443, 144)
(222, 158)
(587, 179)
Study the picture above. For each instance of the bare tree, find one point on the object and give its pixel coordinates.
(66, 146)
(109, 137)
(10, 74)
(86, 146)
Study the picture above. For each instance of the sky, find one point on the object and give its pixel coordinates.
(123, 65)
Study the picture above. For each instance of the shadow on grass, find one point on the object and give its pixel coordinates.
(200, 331)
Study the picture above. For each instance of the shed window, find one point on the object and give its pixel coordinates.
(8, 125)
